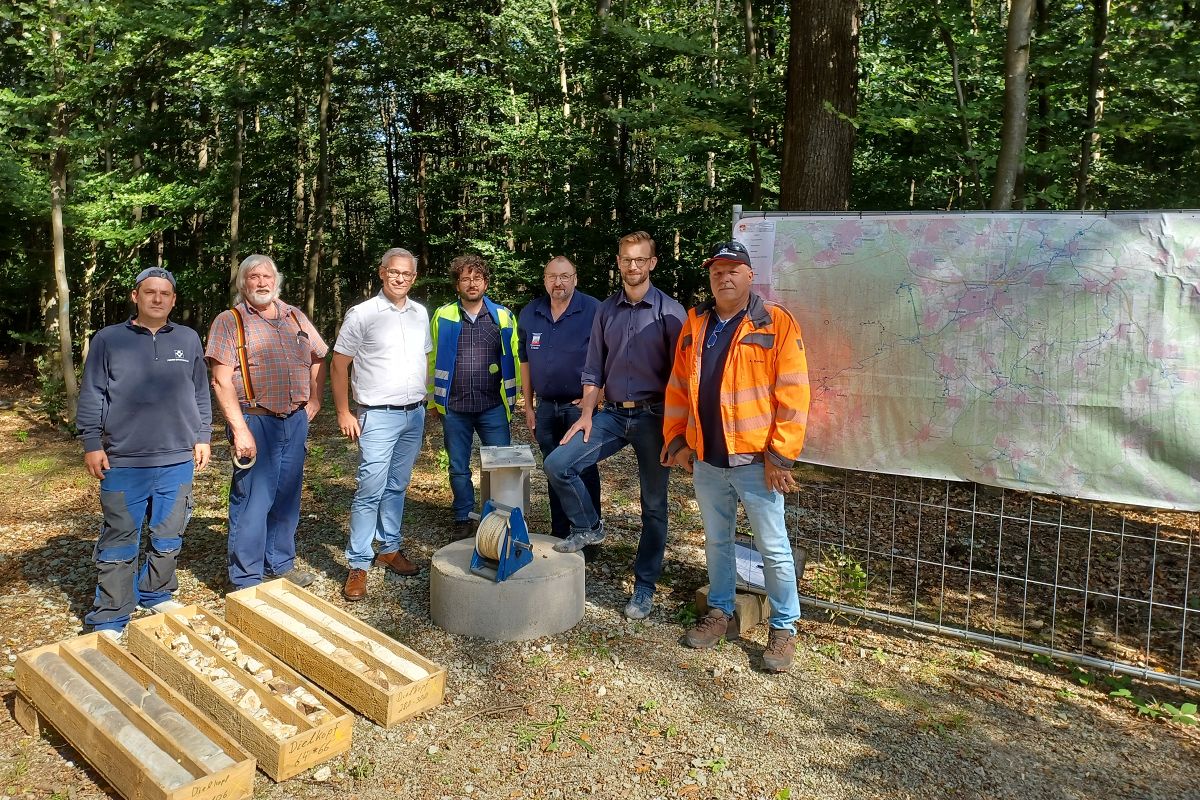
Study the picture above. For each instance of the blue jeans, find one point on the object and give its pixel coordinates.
(388, 447)
(458, 431)
(613, 429)
(553, 420)
(125, 495)
(717, 493)
(264, 500)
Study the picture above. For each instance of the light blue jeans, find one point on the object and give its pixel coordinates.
(717, 493)
(388, 446)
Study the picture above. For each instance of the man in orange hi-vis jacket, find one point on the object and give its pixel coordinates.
(735, 413)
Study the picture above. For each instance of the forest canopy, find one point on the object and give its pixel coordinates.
(190, 133)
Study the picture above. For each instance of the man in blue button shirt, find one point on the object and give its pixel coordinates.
(629, 357)
(554, 332)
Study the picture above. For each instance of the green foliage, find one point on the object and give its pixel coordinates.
(468, 142)
(1122, 688)
(841, 578)
(551, 735)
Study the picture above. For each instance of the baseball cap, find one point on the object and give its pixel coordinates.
(153, 272)
(729, 251)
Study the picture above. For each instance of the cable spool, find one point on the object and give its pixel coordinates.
(243, 464)
(489, 538)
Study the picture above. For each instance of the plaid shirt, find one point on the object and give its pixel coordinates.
(476, 383)
(280, 353)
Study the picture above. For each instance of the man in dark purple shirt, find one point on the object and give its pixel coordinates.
(629, 357)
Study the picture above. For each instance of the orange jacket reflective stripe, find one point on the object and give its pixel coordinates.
(764, 387)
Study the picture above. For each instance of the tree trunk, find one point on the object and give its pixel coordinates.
(752, 87)
(58, 196)
(335, 266)
(822, 89)
(562, 58)
(1089, 145)
(961, 101)
(88, 300)
(235, 203)
(299, 221)
(1041, 85)
(322, 199)
(1015, 123)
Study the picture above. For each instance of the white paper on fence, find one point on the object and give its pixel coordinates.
(759, 237)
(749, 567)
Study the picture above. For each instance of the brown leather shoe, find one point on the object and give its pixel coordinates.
(781, 649)
(356, 585)
(397, 563)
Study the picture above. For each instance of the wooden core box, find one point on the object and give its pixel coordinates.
(279, 755)
(372, 673)
(148, 742)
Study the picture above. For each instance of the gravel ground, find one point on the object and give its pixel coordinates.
(610, 709)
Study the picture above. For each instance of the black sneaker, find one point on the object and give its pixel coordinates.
(298, 577)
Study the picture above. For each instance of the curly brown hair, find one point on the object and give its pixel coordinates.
(468, 263)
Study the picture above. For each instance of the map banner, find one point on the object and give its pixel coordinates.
(1049, 352)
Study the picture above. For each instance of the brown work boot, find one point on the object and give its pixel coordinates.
(397, 563)
(781, 649)
(712, 628)
(356, 585)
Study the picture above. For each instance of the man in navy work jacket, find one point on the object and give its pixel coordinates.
(554, 332)
(629, 357)
(145, 419)
(473, 366)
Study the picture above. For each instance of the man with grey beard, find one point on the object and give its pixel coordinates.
(268, 374)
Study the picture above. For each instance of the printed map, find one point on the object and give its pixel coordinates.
(1051, 352)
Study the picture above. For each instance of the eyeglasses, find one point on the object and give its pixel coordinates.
(716, 331)
(560, 278)
(472, 279)
(633, 262)
(395, 274)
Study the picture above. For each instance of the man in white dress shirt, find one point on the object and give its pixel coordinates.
(387, 340)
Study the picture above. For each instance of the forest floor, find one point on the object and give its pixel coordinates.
(610, 709)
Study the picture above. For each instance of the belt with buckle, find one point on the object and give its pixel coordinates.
(266, 412)
(408, 407)
(638, 403)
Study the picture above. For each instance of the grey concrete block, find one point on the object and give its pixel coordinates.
(542, 598)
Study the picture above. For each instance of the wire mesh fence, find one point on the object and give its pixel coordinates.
(1106, 586)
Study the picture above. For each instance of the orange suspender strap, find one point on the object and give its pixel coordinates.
(243, 362)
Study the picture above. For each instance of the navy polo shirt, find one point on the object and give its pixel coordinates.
(555, 350)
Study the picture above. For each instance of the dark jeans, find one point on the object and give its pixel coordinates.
(458, 434)
(613, 429)
(553, 419)
(264, 500)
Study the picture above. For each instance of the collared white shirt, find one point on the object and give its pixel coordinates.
(389, 345)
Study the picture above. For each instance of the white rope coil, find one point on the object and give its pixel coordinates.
(489, 538)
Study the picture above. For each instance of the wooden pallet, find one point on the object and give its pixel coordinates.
(280, 759)
(387, 703)
(40, 700)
